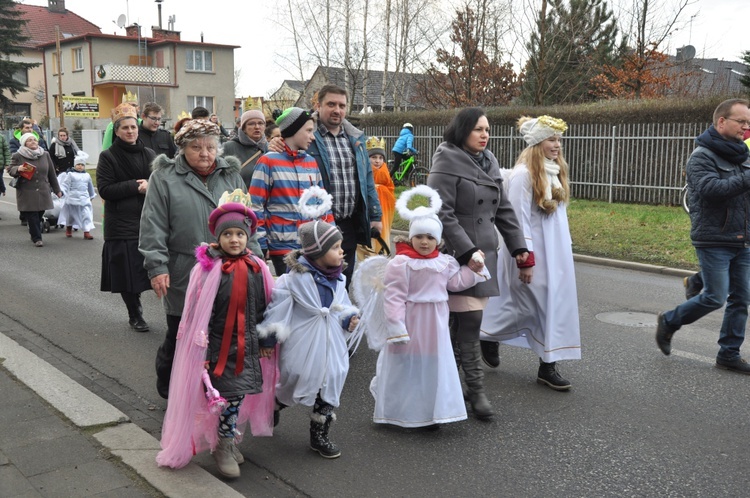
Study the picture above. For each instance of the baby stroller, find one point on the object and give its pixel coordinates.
(50, 217)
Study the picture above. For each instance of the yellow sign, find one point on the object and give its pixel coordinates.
(80, 107)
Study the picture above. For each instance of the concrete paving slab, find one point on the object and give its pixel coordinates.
(88, 479)
(44, 456)
(14, 483)
(77, 403)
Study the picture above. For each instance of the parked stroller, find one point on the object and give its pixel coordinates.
(49, 220)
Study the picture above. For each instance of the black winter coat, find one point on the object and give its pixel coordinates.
(116, 181)
(719, 200)
(160, 141)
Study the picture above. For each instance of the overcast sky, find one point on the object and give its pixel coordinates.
(719, 30)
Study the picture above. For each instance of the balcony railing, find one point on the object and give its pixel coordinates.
(122, 73)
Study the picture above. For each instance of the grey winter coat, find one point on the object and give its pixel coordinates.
(719, 200)
(35, 194)
(243, 153)
(474, 203)
(174, 220)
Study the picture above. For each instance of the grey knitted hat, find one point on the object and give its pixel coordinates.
(317, 237)
(291, 120)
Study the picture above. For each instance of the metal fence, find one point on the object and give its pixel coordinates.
(637, 163)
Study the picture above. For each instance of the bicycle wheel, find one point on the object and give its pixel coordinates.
(684, 199)
(418, 176)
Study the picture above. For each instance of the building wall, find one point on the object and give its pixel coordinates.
(35, 77)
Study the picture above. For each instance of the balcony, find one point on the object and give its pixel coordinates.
(135, 75)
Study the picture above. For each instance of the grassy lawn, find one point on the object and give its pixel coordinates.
(656, 235)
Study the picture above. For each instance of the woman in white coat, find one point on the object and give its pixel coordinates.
(538, 305)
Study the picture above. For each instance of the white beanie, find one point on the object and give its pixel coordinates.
(429, 225)
(27, 136)
(540, 129)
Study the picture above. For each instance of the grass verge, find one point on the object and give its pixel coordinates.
(656, 235)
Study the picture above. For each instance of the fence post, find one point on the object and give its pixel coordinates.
(612, 164)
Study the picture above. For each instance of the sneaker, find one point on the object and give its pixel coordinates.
(39, 243)
(664, 335)
(693, 286)
(490, 353)
(738, 365)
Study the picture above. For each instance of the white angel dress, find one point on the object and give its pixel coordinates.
(313, 355)
(416, 383)
(542, 315)
(77, 210)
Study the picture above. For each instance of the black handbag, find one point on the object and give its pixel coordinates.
(13, 182)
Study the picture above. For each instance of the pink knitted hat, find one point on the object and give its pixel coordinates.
(232, 215)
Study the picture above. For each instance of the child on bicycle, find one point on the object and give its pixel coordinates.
(386, 194)
(404, 145)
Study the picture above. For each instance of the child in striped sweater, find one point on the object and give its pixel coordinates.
(277, 185)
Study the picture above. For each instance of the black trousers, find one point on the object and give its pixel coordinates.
(165, 355)
(348, 228)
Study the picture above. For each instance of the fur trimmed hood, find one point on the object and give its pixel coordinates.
(230, 163)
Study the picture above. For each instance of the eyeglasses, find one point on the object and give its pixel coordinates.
(256, 123)
(742, 122)
(154, 118)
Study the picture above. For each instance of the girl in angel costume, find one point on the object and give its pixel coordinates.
(77, 210)
(226, 297)
(538, 306)
(310, 314)
(416, 381)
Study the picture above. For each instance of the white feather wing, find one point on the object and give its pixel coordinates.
(367, 290)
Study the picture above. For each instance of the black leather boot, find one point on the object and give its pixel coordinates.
(549, 376)
(474, 376)
(321, 419)
(135, 312)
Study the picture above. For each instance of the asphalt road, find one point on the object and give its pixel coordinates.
(636, 423)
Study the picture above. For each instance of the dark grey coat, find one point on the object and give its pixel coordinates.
(474, 203)
(35, 194)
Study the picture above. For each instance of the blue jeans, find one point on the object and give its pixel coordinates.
(726, 278)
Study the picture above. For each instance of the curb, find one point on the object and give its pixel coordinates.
(135, 447)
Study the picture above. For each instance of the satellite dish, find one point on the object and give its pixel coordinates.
(121, 21)
(688, 52)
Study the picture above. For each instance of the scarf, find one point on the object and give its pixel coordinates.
(329, 273)
(481, 160)
(60, 145)
(261, 144)
(409, 251)
(553, 181)
(129, 154)
(237, 265)
(729, 150)
(31, 154)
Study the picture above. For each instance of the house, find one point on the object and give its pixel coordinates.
(41, 28)
(177, 74)
(400, 91)
(693, 77)
(286, 96)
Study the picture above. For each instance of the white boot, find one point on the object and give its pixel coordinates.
(224, 456)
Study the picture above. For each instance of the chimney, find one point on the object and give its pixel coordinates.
(56, 6)
(133, 30)
(164, 34)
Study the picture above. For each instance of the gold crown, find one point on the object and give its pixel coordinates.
(375, 143)
(129, 97)
(236, 196)
(183, 115)
(123, 111)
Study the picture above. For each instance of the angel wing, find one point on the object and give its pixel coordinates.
(367, 291)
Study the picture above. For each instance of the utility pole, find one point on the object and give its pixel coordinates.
(60, 111)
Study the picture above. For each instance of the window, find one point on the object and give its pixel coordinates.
(54, 62)
(22, 76)
(196, 100)
(199, 60)
(77, 59)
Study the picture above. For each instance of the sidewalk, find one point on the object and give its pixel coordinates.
(59, 439)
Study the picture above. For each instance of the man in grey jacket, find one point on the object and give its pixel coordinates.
(718, 176)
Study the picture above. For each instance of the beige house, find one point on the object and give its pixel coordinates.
(41, 27)
(177, 74)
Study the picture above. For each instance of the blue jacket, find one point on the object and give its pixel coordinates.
(719, 200)
(369, 208)
(404, 142)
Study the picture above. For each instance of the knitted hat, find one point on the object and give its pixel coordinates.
(27, 136)
(195, 128)
(80, 158)
(232, 215)
(291, 120)
(375, 145)
(317, 237)
(537, 130)
(429, 224)
(123, 111)
(251, 114)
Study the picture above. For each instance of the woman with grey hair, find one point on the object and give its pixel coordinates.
(182, 193)
(122, 179)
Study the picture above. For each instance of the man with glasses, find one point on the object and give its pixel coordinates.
(249, 144)
(155, 138)
(718, 176)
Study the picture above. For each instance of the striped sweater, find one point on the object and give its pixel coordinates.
(278, 181)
